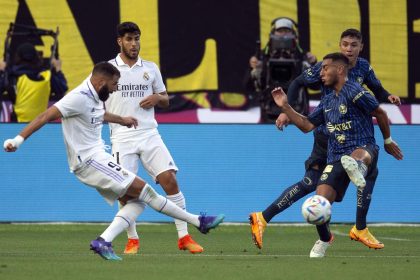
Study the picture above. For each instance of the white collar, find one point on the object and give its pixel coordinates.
(120, 62)
(92, 91)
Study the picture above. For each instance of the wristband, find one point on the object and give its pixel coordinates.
(388, 140)
(16, 142)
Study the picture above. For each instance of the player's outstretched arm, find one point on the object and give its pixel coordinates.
(390, 146)
(51, 114)
(299, 120)
(124, 121)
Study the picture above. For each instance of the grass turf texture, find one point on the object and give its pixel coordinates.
(62, 252)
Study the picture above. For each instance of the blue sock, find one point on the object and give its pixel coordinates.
(292, 194)
(363, 200)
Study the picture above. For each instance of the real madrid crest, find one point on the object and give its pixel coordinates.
(342, 109)
(146, 76)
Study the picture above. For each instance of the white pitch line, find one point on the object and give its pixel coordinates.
(338, 233)
(251, 255)
(262, 255)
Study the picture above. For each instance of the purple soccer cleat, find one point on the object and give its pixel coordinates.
(104, 249)
(209, 222)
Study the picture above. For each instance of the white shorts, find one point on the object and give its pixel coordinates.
(149, 149)
(102, 172)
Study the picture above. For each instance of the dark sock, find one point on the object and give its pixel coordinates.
(324, 232)
(363, 200)
(292, 194)
(285, 200)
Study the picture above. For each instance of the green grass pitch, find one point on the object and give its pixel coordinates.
(38, 251)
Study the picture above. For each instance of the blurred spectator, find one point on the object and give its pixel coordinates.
(277, 64)
(29, 84)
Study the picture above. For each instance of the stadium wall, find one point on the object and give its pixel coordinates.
(231, 169)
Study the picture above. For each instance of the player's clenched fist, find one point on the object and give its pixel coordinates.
(11, 145)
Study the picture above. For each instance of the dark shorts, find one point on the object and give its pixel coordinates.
(335, 175)
(319, 151)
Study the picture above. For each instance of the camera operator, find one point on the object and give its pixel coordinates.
(30, 85)
(281, 60)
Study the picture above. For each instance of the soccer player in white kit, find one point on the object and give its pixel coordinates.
(82, 113)
(140, 89)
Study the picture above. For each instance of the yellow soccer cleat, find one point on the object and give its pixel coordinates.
(132, 247)
(258, 224)
(187, 243)
(365, 237)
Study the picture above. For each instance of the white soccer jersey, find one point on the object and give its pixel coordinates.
(83, 114)
(136, 83)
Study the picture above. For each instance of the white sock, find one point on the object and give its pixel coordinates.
(122, 220)
(131, 230)
(179, 200)
(162, 204)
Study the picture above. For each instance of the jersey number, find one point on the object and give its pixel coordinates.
(113, 165)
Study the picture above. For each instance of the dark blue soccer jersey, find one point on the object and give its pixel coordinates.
(348, 119)
(362, 73)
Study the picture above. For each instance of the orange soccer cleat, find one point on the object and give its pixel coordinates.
(187, 243)
(258, 225)
(132, 247)
(364, 236)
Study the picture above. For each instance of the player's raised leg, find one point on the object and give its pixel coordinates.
(103, 244)
(259, 220)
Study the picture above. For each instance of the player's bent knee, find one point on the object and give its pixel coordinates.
(168, 182)
(134, 189)
(326, 191)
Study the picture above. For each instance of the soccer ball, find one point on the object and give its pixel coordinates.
(316, 210)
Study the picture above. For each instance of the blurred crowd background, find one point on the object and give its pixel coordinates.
(203, 49)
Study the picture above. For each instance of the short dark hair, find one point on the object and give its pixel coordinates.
(351, 32)
(106, 69)
(338, 57)
(127, 27)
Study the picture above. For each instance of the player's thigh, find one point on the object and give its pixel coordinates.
(156, 157)
(127, 155)
(310, 180)
(335, 176)
(102, 172)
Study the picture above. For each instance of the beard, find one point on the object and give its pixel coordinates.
(103, 93)
(128, 54)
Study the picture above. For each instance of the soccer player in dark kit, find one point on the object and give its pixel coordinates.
(352, 151)
(351, 44)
